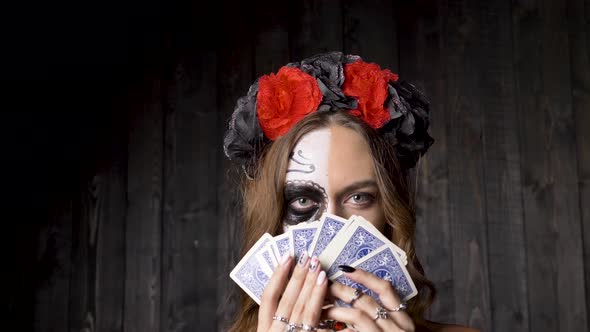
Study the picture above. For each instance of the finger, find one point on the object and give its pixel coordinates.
(313, 308)
(386, 293)
(305, 293)
(364, 302)
(293, 288)
(355, 318)
(272, 292)
(346, 294)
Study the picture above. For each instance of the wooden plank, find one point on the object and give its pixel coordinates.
(234, 76)
(144, 199)
(82, 293)
(316, 28)
(579, 43)
(549, 169)
(465, 163)
(191, 166)
(52, 294)
(557, 88)
(422, 63)
(537, 191)
(271, 48)
(370, 30)
(505, 232)
(110, 242)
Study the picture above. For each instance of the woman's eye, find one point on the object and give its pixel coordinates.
(303, 204)
(361, 199)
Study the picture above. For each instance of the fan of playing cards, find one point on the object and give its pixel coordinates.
(335, 241)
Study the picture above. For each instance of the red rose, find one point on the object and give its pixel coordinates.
(367, 82)
(284, 99)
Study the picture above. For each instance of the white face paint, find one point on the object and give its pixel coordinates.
(307, 175)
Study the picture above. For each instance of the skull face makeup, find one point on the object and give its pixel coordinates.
(306, 182)
(331, 170)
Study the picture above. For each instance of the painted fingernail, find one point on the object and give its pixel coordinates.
(303, 258)
(284, 259)
(346, 268)
(314, 264)
(321, 277)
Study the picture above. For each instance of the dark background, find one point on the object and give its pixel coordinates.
(122, 212)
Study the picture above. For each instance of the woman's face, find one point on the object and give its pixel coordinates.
(331, 170)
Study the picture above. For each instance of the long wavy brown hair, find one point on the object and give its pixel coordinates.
(264, 204)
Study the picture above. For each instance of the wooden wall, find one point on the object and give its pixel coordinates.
(136, 222)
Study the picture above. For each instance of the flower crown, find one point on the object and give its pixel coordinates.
(329, 82)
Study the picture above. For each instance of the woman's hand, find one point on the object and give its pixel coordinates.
(363, 314)
(297, 300)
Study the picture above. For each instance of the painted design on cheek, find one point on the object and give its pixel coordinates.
(314, 203)
(300, 160)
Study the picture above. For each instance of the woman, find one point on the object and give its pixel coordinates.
(333, 134)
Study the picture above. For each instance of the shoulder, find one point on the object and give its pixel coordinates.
(440, 327)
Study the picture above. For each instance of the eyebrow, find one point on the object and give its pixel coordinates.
(355, 186)
(298, 187)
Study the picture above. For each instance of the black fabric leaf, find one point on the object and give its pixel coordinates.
(328, 69)
(408, 127)
(244, 138)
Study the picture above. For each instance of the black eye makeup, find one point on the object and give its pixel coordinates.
(304, 201)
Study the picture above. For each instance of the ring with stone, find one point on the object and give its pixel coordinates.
(401, 307)
(356, 295)
(292, 327)
(381, 313)
(280, 319)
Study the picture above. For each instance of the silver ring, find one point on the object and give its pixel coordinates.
(401, 307)
(357, 294)
(292, 327)
(281, 319)
(381, 313)
(306, 327)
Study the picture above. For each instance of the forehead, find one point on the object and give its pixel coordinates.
(350, 158)
(332, 157)
(309, 159)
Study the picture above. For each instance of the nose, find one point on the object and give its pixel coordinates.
(335, 209)
(331, 208)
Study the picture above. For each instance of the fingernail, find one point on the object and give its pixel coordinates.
(284, 259)
(303, 258)
(346, 268)
(313, 264)
(321, 277)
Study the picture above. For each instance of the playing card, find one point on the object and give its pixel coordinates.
(267, 258)
(384, 263)
(336, 241)
(282, 245)
(249, 273)
(369, 226)
(301, 238)
(329, 225)
(355, 242)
